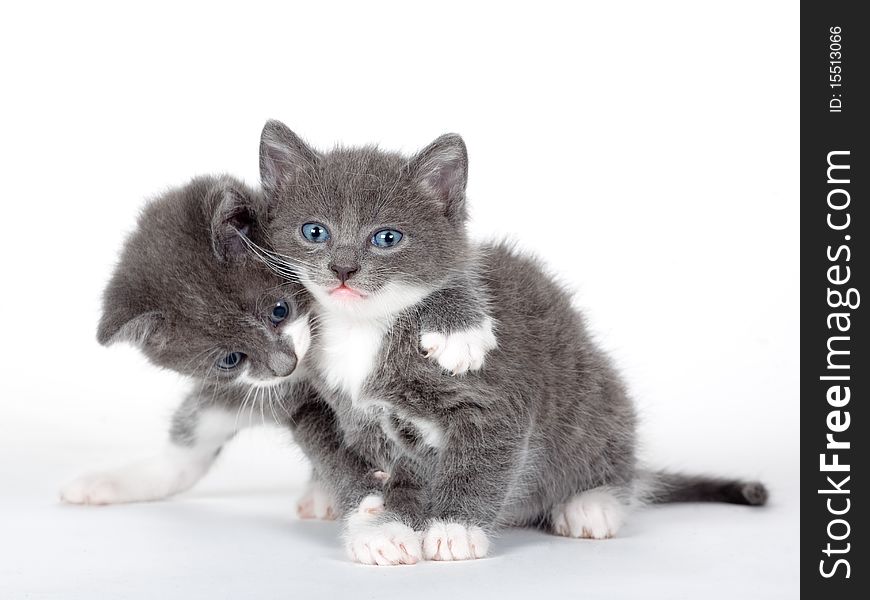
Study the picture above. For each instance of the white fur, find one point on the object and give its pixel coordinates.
(299, 332)
(596, 514)
(352, 332)
(174, 470)
(371, 505)
(371, 542)
(430, 431)
(460, 351)
(382, 305)
(244, 378)
(316, 503)
(348, 351)
(453, 541)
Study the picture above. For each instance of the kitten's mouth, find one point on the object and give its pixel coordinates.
(346, 293)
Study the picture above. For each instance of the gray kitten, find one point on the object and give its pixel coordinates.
(188, 293)
(543, 434)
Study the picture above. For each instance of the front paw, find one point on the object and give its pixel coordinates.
(460, 351)
(316, 503)
(453, 541)
(372, 538)
(93, 489)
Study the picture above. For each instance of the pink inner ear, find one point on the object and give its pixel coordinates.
(282, 155)
(441, 169)
(443, 176)
(440, 182)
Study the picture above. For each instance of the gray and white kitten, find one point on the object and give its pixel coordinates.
(188, 293)
(543, 434)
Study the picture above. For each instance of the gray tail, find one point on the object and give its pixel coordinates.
(662, 487)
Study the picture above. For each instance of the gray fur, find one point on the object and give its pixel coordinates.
(186, 292)
(546, 418)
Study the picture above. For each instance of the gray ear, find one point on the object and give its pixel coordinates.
(283, 156)
(115, 327)
(237, 211)
(128, 314)
(441, 170)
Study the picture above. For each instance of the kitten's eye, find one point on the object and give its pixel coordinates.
(279, 312)
(315, 232)
(230, 361)
(386, 238)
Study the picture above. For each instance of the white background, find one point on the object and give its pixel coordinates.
(648, 151)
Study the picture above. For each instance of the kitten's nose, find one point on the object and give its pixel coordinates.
(343, 272)
(282, 364)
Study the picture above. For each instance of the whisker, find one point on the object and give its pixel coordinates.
(283, 259)
(272, 407)
(262, 402)
(243, 405)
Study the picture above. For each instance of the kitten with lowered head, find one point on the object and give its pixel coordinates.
(543, 434)
(187, 292)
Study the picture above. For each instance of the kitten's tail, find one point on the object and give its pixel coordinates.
(660, 487)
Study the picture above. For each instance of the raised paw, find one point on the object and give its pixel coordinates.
(595, 514)
(453, 541)
(316, 503)
(460, 351)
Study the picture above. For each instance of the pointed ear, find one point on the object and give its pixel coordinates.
(128, 313)
(237, 211)
(283, 156)
(116, 327)
(441, 170)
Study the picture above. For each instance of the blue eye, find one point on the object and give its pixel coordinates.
(315, 232)
(279, 312)
(230, 361)
(386, 238)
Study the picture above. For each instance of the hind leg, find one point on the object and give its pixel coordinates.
(594, 514)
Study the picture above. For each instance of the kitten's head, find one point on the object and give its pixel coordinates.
(368, 231)
(189, 295)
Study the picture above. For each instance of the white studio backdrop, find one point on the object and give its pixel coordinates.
(648, 152)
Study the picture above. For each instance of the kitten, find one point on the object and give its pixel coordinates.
(187, 292)
(543, 434)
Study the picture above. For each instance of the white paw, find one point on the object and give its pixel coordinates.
(155, 478)
(372, 542)
(92, 489)
(452, 541)
(595, 514)
(371, 505)
(316, 503)
(460, 351)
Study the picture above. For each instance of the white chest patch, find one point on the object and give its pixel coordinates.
(351, 335)
(348, 349)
